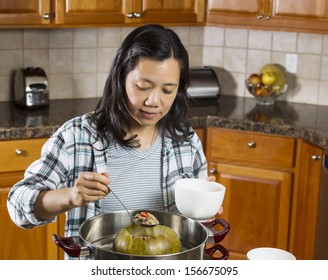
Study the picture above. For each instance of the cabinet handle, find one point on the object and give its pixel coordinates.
(260, 16)
(134, 15)
(20, 152)
(268, 17)
(46, 16)
(213, 171)
(315, 157)
(251, 144)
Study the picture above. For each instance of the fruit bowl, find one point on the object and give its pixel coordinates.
(265, 94)
(268, 84)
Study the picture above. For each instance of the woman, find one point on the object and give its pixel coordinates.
(137, 142)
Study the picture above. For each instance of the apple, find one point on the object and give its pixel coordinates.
(258, 91)
(268, 78)
(254, 79)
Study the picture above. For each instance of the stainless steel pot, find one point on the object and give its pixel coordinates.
(98, 233)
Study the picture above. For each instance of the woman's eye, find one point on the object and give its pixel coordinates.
(143, 88)
(166, 91)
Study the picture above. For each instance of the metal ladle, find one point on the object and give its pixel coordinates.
(135, 219)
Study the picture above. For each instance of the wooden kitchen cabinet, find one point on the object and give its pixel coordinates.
(304, 237)
(284, 15)
(257, 171)
(257, 207)
(76, 12)
(171, 11)
(273, 192)
(47, 13)
(97, 13)
(24, 12)
(136, 11)
(17, 155)
(17, 243)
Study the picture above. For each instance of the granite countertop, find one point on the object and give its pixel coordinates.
(309, 122)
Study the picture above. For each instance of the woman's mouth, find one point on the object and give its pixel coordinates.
(148, 115)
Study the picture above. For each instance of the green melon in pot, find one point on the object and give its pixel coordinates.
(139, 240)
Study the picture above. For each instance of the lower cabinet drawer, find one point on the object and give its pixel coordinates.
(19, 154)
(251, 147)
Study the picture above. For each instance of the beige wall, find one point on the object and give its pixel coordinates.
(77, 60)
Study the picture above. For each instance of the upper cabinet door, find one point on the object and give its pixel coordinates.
(86, 12)
(302, 9)
(298, 15)
(283, 15)
(235, 12)
(25, 12)
(236, 7)
(172, 11)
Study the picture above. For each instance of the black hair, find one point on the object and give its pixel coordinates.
(150, 41)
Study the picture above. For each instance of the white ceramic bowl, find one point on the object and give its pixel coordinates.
(198, 199)
(267, 253)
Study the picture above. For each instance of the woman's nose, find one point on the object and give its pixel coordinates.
(153, 98)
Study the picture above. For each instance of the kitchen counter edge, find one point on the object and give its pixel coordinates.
(307, 135)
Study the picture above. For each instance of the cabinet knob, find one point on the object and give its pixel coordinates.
(251, 144)
(46, 16)
(129, 15)
(315, 157)
(213, 171)
(20, 152)
(268, 17)
(260, 16)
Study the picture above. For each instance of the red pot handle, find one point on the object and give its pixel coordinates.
(68, 245)
(217, 247)
(221, 234)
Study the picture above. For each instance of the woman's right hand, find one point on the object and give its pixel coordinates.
(89, 187)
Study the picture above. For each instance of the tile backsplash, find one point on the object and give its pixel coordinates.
(77, 61)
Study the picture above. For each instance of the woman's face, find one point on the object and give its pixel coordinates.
(151, 88)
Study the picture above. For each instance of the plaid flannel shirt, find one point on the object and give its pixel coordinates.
(75, 148)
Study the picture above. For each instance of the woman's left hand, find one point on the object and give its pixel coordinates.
(211, 178)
